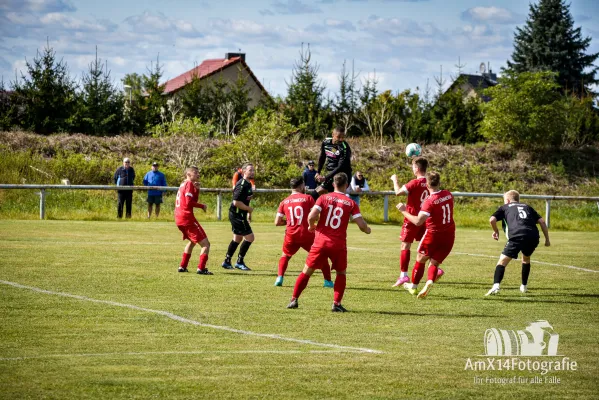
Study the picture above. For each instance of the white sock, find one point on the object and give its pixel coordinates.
(414, 286)
(403, 274)
(496, 286)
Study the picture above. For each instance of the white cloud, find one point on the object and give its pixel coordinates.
(491, 15)
(294, 7)
(38, 6)
(75, 24)
(150, 22)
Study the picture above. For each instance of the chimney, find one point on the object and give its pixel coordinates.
(228, 56)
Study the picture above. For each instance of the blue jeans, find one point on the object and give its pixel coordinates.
(355, 198)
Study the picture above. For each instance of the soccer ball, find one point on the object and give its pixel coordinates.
(413, 149)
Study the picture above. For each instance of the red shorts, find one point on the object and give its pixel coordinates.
(193, 232)
(291, 246)
(436, 245)
(411, 232)
(318, 256)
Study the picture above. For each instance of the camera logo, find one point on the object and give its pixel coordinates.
(538, 339)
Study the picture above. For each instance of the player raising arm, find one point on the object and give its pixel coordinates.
(416, 192)
(187, 200)
(438, 239)
(331, 239)
(522, 235)
(293, 213)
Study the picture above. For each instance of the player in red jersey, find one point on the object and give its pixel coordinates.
(187, 200)
(437, 242)
(416, 192)
(331, 239)
(293, 212)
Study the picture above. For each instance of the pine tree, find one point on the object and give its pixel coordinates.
(134, 106)
(101, 107)
(48, 94)
(549, 42)
(346, 102)
(155, 102)
(305, 95)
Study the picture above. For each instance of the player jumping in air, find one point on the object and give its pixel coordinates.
(416, 192)
(293, 212)
(437, 241)
(335, 157)
(522, 235)
(331, 239)
(240, 216)
(187, 200)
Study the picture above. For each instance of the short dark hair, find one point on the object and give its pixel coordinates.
(422, 163)
(244, 166)
(339, 129)
(340, 179)
(296, 182)
(433, 179)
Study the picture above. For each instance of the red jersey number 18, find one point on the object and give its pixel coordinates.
(334, 217)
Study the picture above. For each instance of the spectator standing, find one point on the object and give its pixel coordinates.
(310, 176)
(124, 176)
(358, 184)
(154, 178)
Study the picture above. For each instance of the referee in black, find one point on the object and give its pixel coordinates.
(520, 224)
(335, 157)
(240, 215)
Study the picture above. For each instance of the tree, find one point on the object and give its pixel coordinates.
(305, 95)
(527, 110)
(549, 42)
(155, 102)
(134, 104)
(100, 109)
(345, 105)
(48, 94)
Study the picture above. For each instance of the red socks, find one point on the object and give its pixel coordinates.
(404, 260)
(326, 271)
(432, 272)
(339, 288)
(300, 285)
(417, 273)
(185, 260)
(283, 263)
(203, 261)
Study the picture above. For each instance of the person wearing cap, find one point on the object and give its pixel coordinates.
(124, 176)
(154, 178)
(310, 176)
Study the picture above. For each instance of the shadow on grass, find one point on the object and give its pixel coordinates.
(531, 300)
(425, 314)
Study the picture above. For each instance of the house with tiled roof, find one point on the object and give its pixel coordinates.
(226, 69)
(471, 85)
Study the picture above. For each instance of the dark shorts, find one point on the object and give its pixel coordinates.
(157, 199)
(239, 224)
(327, 185)
(526, 245)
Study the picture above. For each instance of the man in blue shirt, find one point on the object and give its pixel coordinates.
(154, 178)
(310, 176)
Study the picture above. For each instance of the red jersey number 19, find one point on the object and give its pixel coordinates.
(298, 213)
(334, 217)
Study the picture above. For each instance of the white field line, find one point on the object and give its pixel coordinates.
(192, 322)
(532, 261)
(152, 353)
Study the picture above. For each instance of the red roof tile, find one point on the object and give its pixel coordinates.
(206, 68)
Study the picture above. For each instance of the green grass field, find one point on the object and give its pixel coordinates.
(103, 314)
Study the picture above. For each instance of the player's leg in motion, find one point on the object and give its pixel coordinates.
(499, 272)
(231, 251)
(404, 263)
(186, 256)
(339, 264)
(283, 263)
(243, 249)
(417, 273)
(525, 273)
(433, 270)
(300, 285)
(326, 274)
(202, 270)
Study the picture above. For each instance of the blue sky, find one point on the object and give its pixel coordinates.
(404, 41)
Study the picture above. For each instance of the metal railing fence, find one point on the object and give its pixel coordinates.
(219, 195)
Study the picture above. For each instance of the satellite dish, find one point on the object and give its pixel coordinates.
(482, 68)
